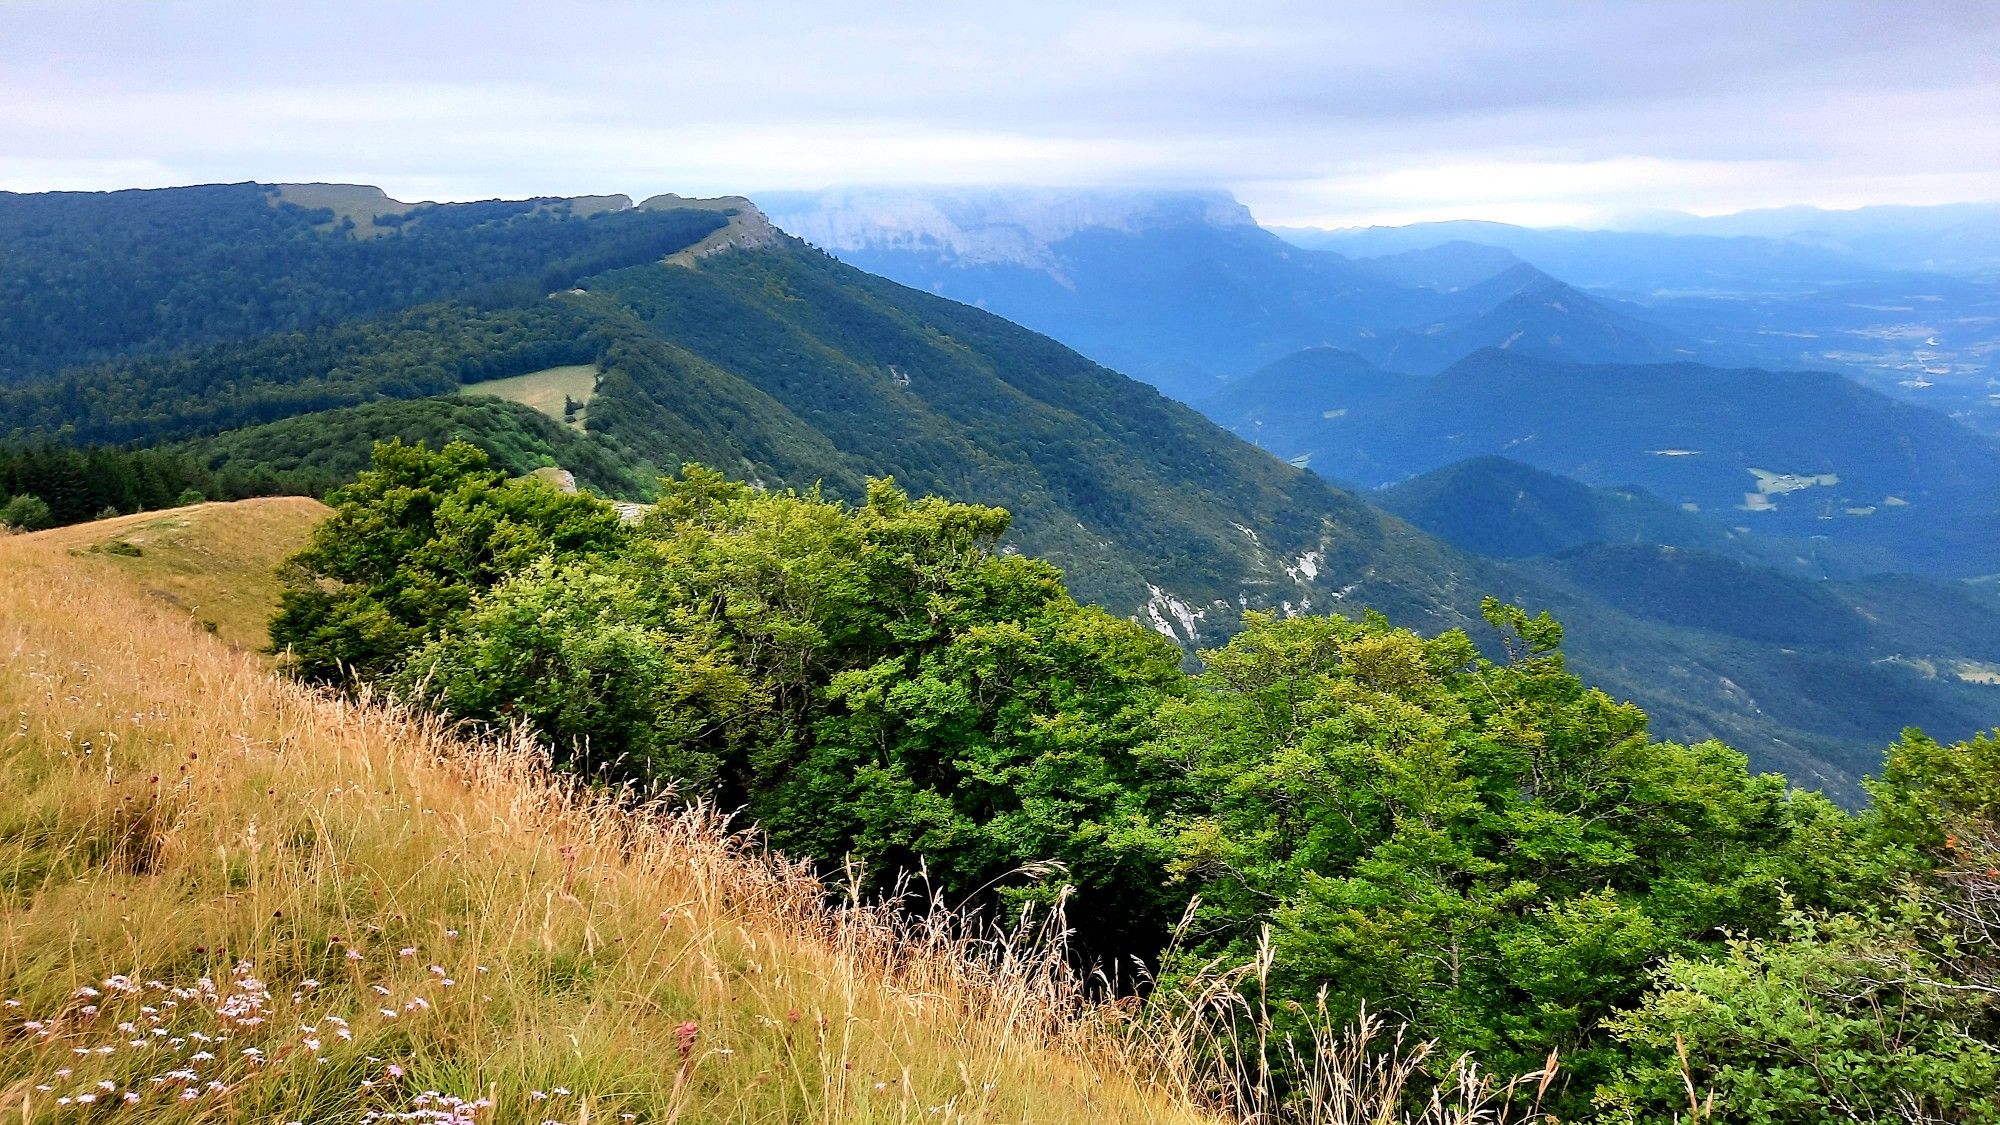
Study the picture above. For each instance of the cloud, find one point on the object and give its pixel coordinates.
(1312, 112)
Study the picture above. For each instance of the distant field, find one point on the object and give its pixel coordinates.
(544, 390)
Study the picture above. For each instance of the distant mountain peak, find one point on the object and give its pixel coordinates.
(988, 226)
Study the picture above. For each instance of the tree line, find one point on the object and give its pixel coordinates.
(44, 486)
(91, 277)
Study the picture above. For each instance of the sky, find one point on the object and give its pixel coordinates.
(1313, 114)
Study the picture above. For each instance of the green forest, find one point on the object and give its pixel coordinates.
(93, 276)
(1480, 846)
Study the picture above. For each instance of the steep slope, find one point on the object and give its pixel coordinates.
(1148, 506)
(753, 353)
(1496, 506)
(333, 913)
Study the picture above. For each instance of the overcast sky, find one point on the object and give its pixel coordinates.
(1318, 113)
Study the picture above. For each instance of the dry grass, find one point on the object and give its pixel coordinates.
(213, 562)
(227, 898)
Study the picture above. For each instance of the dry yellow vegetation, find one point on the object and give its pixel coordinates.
(214, 562)
(547, 391)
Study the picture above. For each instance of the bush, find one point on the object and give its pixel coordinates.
(26, 513)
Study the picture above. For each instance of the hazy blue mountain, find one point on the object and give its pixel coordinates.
(1907, 300)
(1953, 238)
(1501, 507)
(1629, 263)
(1542, 317)
(1924, 338)
(1179, 289)
(1447, 267)
(1284, 405)
(1800, 455)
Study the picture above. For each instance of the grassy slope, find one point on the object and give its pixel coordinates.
(176, 813)
(213, 562)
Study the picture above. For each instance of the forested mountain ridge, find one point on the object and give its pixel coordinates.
(783, 366)
(766, 359)
(1491, 505)
(90, 276)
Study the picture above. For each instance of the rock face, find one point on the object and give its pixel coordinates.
(988, 226)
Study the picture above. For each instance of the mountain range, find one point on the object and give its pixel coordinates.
(628, 339)
(1906, 300)
(1862, 481)
(1184, 289)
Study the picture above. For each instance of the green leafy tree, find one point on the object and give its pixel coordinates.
(876, 681)
(26, 512)
(1843, 1018)
(1889, 1010)
(408, 547)
(1491, 852)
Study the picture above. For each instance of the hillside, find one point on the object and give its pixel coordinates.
(1287, 405)
(315, 452)
(778, 364)
(213, 563)
(323, 910)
